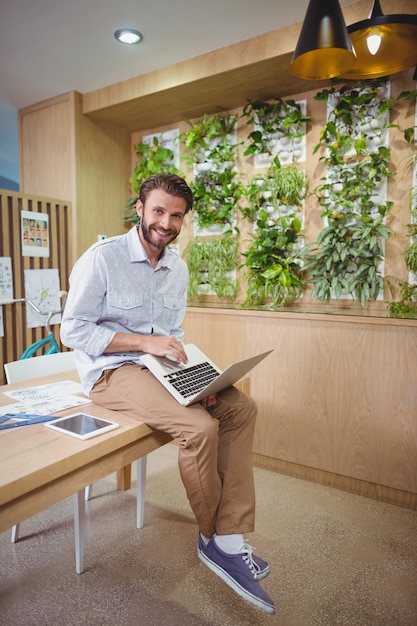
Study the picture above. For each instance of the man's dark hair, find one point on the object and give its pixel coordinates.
(170, 183)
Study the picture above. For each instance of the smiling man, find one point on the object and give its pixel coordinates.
(160, 222)
(127, 297)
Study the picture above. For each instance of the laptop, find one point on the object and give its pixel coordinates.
(200, 377)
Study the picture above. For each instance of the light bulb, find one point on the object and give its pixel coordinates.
(128, 36)
(373, 41)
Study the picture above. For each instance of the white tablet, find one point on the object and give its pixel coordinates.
(81, 425)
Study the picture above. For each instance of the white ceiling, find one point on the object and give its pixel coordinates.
(50, 47)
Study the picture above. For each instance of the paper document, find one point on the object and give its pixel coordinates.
(45, 399)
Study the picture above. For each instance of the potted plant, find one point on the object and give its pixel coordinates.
(272, 267)
(357, 120)
(281, 186)
(216, 187)
(216, 195)
(210, 139)
(274, 120)
(212, 268)
(347, 258)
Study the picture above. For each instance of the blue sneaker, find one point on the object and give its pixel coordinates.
(262, 568)
(239, 572)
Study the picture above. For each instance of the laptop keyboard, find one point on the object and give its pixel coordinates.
(190, 380)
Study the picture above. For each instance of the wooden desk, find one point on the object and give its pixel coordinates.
(39, 466)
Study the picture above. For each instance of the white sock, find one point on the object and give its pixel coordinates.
(231, 544)
(204, 538)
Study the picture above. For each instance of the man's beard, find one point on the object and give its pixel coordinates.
(159, 245)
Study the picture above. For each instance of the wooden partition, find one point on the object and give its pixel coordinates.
(16, 334)
(337, 398)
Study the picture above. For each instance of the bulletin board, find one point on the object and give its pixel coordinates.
(55, 217)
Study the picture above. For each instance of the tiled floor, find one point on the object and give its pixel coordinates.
(337, 560)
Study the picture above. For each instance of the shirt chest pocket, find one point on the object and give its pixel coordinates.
(171, 305)
(172, 302)
(125, 308)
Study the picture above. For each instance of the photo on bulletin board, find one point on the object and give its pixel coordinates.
(35, 234)
(43, 289)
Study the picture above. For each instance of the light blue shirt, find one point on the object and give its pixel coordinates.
(114, 288)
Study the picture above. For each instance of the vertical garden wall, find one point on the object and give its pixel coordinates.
(299, 202)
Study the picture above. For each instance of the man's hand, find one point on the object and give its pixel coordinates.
(152, 344)
(209, 401)
(164, 346)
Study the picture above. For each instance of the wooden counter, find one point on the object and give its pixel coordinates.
(337, 398)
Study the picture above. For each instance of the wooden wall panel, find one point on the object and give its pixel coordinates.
(338, 394)
(16, 335)
(103, 169)
(64, 154)
(46, 148)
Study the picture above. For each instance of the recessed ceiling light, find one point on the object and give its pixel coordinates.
(128, 35)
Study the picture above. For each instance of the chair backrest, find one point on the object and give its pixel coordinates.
(35, 366)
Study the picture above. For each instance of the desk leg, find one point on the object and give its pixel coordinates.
(124, 478)
(15, 533)
(79, 526)
(140, 490)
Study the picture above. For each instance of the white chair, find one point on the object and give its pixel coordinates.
(34, 367)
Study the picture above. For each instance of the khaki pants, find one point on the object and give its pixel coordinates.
(215, 445)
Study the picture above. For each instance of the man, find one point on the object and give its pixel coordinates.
(127, 297)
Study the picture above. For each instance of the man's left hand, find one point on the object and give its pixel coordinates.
(209, 401)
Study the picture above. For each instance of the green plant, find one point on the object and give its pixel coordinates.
(409, 133)
(272, 266)
(216, 187)
(216, 195)
(356, 116)
(347, 258)
(151, 159)
(406, 306)
(210, 140)
(280, 185)
(410, 252)
(410, 256)
(347, 255)
(211, 266)
(352, 185)
(278, 117)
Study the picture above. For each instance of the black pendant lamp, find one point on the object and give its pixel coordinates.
(384, 44)
(324, 49)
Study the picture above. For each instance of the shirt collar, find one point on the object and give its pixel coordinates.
(137, 251)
